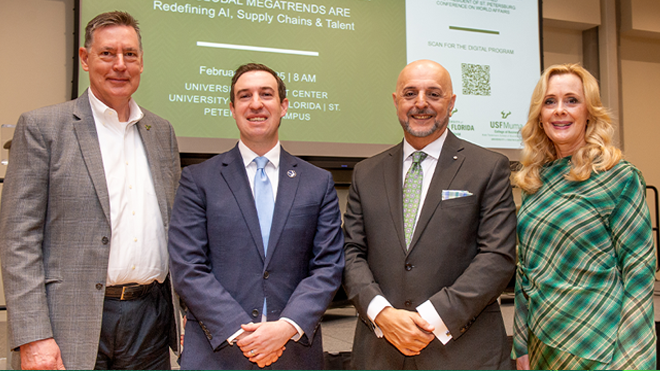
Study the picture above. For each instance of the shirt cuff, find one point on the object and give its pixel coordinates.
(232, 339)
(377, 304)
(299, 331)
(427, 311)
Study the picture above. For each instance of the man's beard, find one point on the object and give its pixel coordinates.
(439, 124)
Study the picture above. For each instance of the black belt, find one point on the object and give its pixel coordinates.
(129, 291)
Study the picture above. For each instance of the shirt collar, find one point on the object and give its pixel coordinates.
(100, 109)
(248, 155)
(433, 149)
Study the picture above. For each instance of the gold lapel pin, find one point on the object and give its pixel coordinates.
(148, 127)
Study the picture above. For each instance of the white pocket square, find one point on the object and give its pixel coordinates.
(451, 194)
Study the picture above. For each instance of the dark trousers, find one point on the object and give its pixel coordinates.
(135, 333)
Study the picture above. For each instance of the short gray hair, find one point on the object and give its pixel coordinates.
(115, 18)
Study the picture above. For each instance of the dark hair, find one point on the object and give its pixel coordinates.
(115, 18)
(281, 88)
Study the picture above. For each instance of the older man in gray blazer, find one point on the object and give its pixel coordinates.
(85, 210)
(430, 237)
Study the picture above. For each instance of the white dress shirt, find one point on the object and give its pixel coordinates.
(426, 310)
(138, 245)
(272, 170)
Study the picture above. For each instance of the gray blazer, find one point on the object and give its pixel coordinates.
(55, 226)
(461, 256)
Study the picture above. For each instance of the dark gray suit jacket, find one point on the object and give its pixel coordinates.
(461, 256)
(55, 225)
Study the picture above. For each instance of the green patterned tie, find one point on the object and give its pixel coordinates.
(412, 191)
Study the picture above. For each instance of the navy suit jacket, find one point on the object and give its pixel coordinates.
(218, 263)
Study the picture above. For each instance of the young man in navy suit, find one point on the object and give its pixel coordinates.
(255, 243)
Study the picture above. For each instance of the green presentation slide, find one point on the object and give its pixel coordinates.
(339, 60)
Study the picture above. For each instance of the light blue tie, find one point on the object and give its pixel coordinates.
(263, 197)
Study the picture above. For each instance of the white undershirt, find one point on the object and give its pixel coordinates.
(138, 245)
(426, 310)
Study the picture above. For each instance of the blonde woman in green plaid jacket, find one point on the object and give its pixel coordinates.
(586, 265)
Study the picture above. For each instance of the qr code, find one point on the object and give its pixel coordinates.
(476, 79)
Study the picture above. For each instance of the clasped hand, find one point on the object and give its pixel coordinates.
(263, 343)
(406, 330)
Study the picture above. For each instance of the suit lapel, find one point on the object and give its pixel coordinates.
(85, 130)
(392, 178)
(449, 163)
(151, 148)
(289, 178)
(233, 172)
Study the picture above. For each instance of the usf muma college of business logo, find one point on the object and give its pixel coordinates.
(501, 122)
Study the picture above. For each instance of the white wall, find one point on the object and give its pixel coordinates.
(36, 58)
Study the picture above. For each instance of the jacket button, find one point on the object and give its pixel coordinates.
(408, 303)
(409, 267)
(104, 240)
(255, 313)
(266, 275)
(99, 286)
(463, 329)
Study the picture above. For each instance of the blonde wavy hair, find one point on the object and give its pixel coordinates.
(598, 154)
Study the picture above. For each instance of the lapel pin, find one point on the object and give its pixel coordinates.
(291, 173)
(148, 127)
(455, 157)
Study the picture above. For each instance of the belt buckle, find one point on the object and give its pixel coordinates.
(123, 290)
